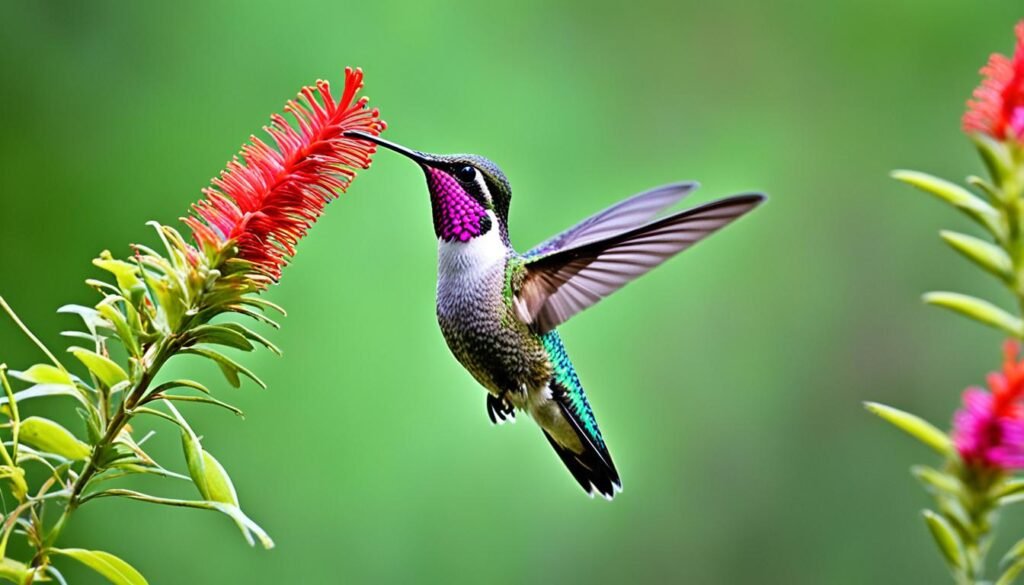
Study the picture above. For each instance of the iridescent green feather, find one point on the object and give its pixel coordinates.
(565, 376)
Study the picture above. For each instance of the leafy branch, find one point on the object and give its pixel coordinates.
(187, 299)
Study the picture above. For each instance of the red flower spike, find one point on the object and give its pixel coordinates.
(998, 105)
(267, 201)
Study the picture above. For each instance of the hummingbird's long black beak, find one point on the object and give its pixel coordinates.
(415, 155)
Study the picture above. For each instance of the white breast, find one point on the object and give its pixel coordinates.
(467, 262)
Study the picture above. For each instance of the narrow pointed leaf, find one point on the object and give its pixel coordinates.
(975, 207)
(42, 390)
(1014, 555)
(181, 384)
(124, 331)
(1010, 487)
(937, 482)
(50, 437)
(44, 374)
(945, 536)
(221, 336)
(1011, 574)
(126, 273)
(914, 426)
(228, 366)
(996, 155)
(103, 367)
(201, 400)
(90, 316)
(250, 530)
(253, 336)
(990, 257)
(113, 568)
(977, 309)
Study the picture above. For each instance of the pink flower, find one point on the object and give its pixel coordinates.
(998, 105)
(265, 203)
(989, 430)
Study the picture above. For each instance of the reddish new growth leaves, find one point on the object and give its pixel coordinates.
(998, 105)
(266, 202)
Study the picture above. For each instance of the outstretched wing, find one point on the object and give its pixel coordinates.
(624, 215)
(558, 285)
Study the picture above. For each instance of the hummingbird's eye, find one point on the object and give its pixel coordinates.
(466, 174)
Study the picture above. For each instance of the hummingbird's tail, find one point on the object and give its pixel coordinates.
(570, 426)
(592, 466)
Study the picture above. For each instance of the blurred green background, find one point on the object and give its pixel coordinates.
(728, 382)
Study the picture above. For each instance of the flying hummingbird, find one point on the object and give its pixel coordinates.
(499, 309)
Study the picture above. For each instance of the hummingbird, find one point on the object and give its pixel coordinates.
(499, 309)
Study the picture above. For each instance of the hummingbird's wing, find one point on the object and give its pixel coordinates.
(556, 286)
(630, 213)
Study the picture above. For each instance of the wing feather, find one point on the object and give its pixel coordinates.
(558, 285)
(624, 215)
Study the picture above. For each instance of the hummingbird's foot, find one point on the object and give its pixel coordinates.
(500, 410)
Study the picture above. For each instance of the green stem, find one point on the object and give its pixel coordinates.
(114, 426)
(28, 332)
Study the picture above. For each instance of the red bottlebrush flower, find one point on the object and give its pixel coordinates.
(998, 105)
(265, 203)
(989, 430)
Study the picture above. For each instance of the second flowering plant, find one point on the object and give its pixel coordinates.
(985, 450)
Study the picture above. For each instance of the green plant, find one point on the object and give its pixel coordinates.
(183, 299)
(984, 452)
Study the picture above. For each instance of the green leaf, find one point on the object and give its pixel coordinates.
(221, 336)
(1011, 573)
(126, 273)
(103, 367)
(228, 367)
(1010, 487)
(91, 418)
(114, 569)
(169, 298)
(48, 436)
(41, 390)
(977, 309)
(996, 155)
(44, 374)
(124, 331)
(181, 384)
(201, 400)
(945, 536)
(12, 570)
(249, 528)
(975, 207)
(90, 316)
(937, 482)
(990, 257)
(253, 336)
(914, 426)
(1014, 555)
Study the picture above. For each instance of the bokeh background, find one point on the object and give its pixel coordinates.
(728, 382)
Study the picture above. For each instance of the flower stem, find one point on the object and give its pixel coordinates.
(163, 350)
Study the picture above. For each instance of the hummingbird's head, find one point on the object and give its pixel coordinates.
(469, 195)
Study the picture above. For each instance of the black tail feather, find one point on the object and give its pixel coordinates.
(593, 468)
